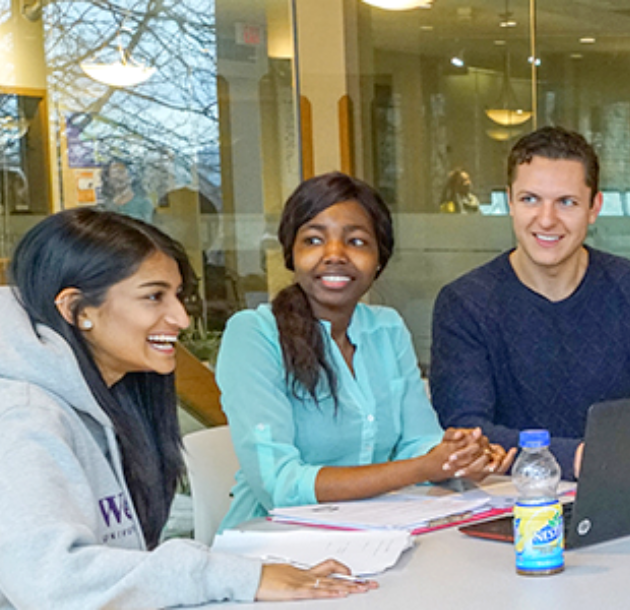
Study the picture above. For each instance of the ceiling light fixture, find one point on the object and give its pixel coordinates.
(399, 5)
(118, 73)
(508, 117)
(507, 111)
(124, 72)
(503, 134)
(506, 18)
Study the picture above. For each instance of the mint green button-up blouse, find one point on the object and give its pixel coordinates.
(282, 441)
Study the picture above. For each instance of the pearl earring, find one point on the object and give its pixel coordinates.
(86, 325)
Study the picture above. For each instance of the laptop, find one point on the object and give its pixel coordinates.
(601, 510)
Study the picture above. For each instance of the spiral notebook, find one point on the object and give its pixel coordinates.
(601, 510)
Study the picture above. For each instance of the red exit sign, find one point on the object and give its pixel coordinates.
(249, 34)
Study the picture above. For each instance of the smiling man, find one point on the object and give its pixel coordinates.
(533, 338)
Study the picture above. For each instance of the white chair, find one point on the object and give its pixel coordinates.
(212, 464)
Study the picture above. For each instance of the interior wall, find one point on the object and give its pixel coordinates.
(22, 62)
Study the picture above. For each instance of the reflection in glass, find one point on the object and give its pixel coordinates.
(170, 122)
(581, 52)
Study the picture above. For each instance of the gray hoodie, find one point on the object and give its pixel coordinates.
(69, 535)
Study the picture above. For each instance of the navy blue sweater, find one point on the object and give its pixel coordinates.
(506, 358)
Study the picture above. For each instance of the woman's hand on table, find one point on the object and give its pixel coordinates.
(471, 455)
(280, 582)
(500, 460)
(458, 449)
(479, 458)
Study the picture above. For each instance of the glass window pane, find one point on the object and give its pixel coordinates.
(182, 115)
(447, 92)
(584, 49)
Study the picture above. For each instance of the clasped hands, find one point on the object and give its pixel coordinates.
(465, 452)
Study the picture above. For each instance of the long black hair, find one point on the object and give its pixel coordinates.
(301, 338)
(454, 186)
(91, 251)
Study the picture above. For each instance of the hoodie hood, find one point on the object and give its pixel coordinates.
(45, 360)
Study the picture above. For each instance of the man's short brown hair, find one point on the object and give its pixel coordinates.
(555, 143)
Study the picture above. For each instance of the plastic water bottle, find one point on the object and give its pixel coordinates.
(538, 527)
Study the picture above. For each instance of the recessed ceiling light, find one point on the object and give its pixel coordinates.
(587, 40)
(576, 56)
(500, 43)
(508, 23)
(426, 28)
(399, 5)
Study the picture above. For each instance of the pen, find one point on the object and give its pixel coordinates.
(357, 579)
(304, 566)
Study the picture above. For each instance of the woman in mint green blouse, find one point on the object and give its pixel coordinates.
(323, 394)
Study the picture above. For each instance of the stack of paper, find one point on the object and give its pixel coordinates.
(416, 509)
(391, 512)
(365, 553)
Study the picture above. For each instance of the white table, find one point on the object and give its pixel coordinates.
(448, 570)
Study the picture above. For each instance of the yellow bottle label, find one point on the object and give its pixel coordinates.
(539, 537)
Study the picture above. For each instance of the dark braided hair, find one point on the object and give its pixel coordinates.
(301, 338)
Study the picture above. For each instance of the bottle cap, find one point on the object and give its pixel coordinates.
(533, 438)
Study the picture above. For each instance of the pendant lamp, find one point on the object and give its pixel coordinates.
(124, 72)
(507, 112)
(118, 73)
(399, 5)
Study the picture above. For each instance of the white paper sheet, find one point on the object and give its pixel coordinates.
(365, 553)
(383, 513)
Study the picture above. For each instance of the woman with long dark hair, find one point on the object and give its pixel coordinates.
(89, 443)
(457, 196)
(323, 393)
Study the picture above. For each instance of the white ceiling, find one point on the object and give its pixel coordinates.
(475, 24)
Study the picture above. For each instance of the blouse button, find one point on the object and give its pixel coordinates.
(370, 418)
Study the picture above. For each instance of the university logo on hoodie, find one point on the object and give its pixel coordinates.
(117, 517)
